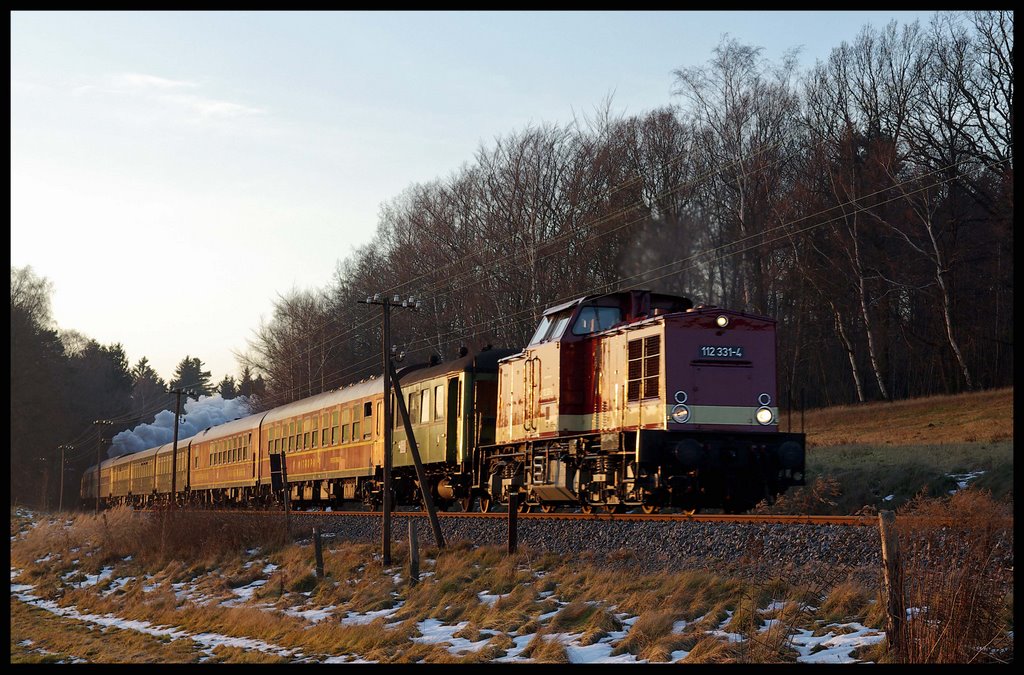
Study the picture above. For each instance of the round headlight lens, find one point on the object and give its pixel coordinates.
(764, 416)
(680, 396)
(722, 321)
(680, 414)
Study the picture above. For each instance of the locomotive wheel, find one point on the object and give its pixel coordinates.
(485, 504)
(650, 508)
(523, 508)
(612, 508)
(466, 503)
(548, 508)
(586, 509)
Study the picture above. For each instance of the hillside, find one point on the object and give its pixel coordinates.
(985, 416)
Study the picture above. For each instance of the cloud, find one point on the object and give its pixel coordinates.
(210, 107)
(143, 81)
(168, 94)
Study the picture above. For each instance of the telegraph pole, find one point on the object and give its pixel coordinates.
(388, 421)
(174, 449)
(99, 447)
(60, 502)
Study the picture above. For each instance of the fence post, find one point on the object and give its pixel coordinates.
(893, 575)
(319, 551)
(513, 511)
(414, 554)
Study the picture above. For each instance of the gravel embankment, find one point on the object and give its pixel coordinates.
(746, 549)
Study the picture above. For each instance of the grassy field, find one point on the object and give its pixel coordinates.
(881, 455)
(979, 417)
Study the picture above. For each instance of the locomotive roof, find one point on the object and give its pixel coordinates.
(681, 300)
(328, 398)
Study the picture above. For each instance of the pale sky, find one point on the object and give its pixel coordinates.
(172, 172)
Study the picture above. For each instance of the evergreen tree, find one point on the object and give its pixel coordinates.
(227, 388)
(190, 375)
(149, 391)
(245, 383)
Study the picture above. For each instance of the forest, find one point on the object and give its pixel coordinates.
(864, 202)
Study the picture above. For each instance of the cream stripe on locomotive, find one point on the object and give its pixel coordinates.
(722, 414)
(699, 414)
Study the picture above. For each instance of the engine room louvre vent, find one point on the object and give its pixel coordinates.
(643, 368)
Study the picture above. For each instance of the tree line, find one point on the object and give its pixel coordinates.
(63, 381)
(866, 203)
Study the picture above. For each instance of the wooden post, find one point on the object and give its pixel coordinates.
(414, 554)
(319, 552)
(428, 501)
(513, 532)
(893, 574)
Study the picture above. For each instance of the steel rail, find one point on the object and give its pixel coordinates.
(758, 519)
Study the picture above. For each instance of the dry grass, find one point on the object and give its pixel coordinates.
(54, 638)
(984, 416)
(957, 557)
(957, 587)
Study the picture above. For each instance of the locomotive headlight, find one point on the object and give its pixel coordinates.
(764, 416)
(722, 321)
(680, 414)
(680, 396)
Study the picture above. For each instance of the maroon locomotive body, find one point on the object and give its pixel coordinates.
(641, 399)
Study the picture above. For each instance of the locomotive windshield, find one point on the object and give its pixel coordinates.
(594, 319)
(551, 327)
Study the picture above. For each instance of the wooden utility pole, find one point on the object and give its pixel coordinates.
(387, 304)
(287, 497)
(174, 448)
(60, 499)
(99, 447)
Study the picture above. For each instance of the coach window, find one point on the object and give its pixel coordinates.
(305, 433)
(414, 407)
(439, 402)
(380, 416)
(355, 430)
(334, 428)
(316, 430)
(425, 405)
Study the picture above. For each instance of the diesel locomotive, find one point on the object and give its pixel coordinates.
(629, 400)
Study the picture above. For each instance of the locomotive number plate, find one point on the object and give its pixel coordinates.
(710, 352)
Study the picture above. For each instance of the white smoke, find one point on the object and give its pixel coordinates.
(200, 414)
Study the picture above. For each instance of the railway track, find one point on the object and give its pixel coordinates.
(862, 521)
(751, 519)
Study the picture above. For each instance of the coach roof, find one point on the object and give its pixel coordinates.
(371, 387)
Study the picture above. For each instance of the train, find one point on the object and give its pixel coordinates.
(632, 400)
